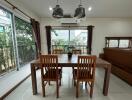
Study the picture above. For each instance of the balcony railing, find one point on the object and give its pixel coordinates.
(7, 60)
(65, 48)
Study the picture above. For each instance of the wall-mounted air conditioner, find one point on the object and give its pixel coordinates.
(69, 21)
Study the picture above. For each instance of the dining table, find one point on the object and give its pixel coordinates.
(64, 61)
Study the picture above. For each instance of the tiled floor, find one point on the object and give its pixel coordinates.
(118, 89)
(9, 80)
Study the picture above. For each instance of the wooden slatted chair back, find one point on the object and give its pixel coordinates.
(86, 67)
(49, 67)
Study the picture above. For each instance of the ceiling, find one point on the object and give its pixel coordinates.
(100, 8)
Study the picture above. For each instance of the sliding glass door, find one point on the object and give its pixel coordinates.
(17, 46)
(25, 43)
(7, 59)
(71, 38)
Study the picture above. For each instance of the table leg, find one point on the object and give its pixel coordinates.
(106, 80)
(33, 77)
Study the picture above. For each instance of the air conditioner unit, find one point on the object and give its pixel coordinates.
(69, 21)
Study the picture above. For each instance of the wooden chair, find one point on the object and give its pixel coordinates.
(85, 72)
(50, 71)
(57, 51)
(76, 51)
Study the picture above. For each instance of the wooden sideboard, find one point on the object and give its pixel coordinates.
(121, 60)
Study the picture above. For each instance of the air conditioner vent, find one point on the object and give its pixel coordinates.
(69, 21)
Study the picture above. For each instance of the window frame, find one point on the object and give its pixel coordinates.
(69, 29)
(22, 17)
(108, 39)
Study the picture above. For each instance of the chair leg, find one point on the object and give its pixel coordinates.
(61, 72)
(43, 89)
(60, 76)
(73, 76)
(77, 89)
(57, 89)
(74, 81)
(91, 89)
(60, 82)
(49, 82)
(86, 83)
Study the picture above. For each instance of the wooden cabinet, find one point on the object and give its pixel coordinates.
(121, 60)
(118, 51)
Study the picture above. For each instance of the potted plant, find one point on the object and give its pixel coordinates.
(70, 51)
(69, 55)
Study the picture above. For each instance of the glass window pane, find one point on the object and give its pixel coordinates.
(1, 28)
(25, 42)
(69, 39)
(7, 60)
(124, 43)
(78, 39)
(113, 43)
(60, 39)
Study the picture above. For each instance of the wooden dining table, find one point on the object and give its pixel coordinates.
(65, 62)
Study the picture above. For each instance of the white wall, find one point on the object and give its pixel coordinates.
(103, 27)
(21, 7)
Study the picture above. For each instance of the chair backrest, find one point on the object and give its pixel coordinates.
(49, 64)
(57, 51)
(86, 66)
(76, 51)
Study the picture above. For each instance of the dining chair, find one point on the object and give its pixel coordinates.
(57, 51)
(50, 71)
(76, 51)
(85, 72)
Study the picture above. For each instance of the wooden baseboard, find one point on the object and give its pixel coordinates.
(127, 77)
(13, 88)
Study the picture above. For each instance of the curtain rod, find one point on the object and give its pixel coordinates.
(14, 7)
(69, 26)
(72, 26)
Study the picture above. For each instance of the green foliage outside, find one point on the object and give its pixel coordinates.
(6, 50)
(6, 46)
(61, 43)
(25, 42)
(70, 44)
